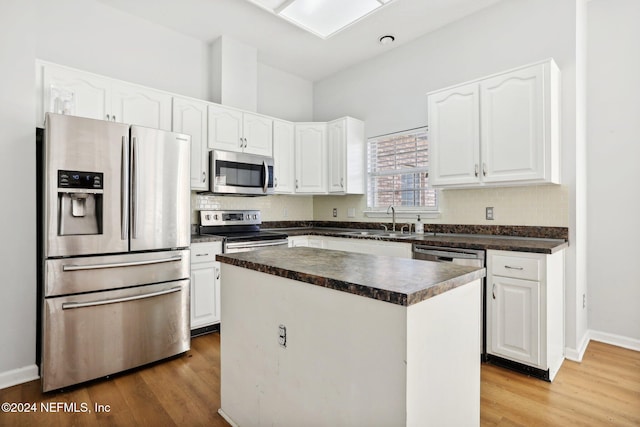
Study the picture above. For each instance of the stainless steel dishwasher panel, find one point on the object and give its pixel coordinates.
(98, 334)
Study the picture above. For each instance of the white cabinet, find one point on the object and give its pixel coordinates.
(525, 309)
(67, 91)
(283, 157)
(205, 284)
(235, 130)
(311, 158)
(346, 156)
(501, 130)
(190, 117)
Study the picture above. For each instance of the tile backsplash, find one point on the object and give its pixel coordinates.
(541, 205)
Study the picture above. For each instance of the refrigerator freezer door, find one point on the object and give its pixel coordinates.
(112, 331)
(82, 221)
(160, 189)
(97, 273)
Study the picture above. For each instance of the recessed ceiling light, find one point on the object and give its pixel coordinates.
(323, 18)
(387, 39)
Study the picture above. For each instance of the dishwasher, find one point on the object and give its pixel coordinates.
(460, 256)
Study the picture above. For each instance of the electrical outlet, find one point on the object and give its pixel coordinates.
(335, 212)
(282, 336)
(489, 212)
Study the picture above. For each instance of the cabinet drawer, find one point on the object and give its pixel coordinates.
(205, 252)
(517, 267)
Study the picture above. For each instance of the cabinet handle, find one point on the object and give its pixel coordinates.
(245, 143)
(476, 170)
(342, 182)
(275, 182)
(513, 268)
(484, 169)
(493, 291)
(204, 176)
(202, 254)
(114, 117)
(241, 142)
(296, 184)
(108, 117)
(217, 273)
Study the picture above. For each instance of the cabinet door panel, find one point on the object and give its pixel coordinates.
(515, 319)
(75, 93)
(203, 295)
(337, 150)
(225, 128)
(454, 135)
(140, 106)
(311, 158)
(190, 117)
(258, 133)
(283, 157)
(512, 126)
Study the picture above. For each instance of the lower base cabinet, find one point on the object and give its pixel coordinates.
(525, 309)
(205, 284)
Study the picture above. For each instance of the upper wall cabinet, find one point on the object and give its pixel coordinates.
(67, 91)
(311, 158)
(190, 117)
(235, 130)
(346, 156)
(283, 157)
(501, 130)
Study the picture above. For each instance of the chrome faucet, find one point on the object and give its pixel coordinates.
(393, 216)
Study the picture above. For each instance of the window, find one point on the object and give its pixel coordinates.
(398, 171)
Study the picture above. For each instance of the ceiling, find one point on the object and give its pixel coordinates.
(287, 47)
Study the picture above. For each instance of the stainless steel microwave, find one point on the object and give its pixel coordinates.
(240, 174)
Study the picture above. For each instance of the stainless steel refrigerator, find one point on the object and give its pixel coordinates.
(114, 248)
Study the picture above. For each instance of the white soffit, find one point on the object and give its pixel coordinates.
(323, 18)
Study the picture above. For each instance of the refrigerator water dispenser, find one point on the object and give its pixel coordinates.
(80, 196)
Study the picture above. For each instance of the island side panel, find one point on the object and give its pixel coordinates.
(344, 361)
(443, 359)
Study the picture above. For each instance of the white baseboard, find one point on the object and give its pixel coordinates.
(577, 354)
(227, 418)
(18, 376)
(617, 340)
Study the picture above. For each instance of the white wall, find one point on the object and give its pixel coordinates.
(17, 184)
(284, 95)
(613, 172)
(388, 92)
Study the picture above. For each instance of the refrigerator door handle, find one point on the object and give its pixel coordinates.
(124, 198)
(265, 186)
(72, 305)
(120, 264)
(134, 187)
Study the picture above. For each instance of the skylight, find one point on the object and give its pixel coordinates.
(323, 18)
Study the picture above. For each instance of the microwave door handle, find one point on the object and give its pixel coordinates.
(124, 197)
(265, 186)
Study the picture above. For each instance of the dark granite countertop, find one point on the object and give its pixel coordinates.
(454, 240)
(394, 280)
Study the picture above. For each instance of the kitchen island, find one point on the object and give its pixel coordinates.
(322, 337)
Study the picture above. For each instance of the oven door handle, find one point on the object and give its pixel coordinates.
(265, 185)
(246, 245)
(72, 305)
(72, 267)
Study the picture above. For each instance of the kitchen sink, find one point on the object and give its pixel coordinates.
(379, 233)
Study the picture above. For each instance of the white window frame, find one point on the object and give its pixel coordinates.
(401, 211)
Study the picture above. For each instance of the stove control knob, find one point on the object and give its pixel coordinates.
(255, 216)
(215, 217)
(208, 217)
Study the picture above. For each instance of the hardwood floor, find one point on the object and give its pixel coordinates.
(185, 391)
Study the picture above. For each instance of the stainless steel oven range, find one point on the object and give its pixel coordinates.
(240, 229)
